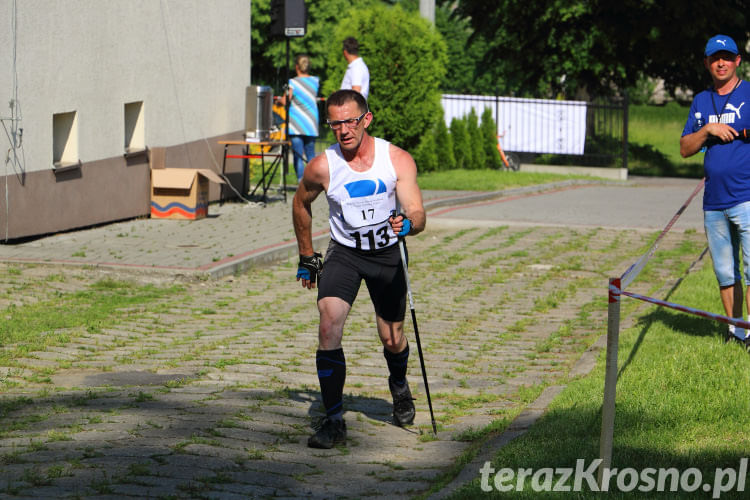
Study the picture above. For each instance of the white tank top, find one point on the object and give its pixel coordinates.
(360, 203)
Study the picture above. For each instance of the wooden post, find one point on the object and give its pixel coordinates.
(610, 378)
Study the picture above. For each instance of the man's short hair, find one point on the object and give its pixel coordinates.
(351, 45)
(341, 97)
(303, 61)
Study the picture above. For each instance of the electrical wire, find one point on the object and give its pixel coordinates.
(13, 136)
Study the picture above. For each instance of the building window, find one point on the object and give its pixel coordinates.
(65, 140)
(135, 130)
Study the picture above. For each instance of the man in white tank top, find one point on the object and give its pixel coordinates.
(366, 180)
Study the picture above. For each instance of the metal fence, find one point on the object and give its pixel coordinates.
(553, 132)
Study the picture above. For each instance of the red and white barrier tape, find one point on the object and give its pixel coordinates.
(690, 310)
(634, 270)
(614, 290)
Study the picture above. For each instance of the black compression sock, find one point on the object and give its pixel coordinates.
(331, 374)
(397, 364)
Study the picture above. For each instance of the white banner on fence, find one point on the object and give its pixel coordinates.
(528, 125)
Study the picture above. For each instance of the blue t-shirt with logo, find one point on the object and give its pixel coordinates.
(726, 165)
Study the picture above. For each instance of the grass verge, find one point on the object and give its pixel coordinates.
(654, 142)
(681, 403)
(467, 180)
(486, 180)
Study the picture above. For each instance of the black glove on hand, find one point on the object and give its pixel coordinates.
(310, 267)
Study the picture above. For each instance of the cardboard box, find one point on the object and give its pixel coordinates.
(181, 193)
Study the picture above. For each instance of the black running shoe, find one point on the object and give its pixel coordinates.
(403, 403)
(329, 434)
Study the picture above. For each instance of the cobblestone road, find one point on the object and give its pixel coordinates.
(207, 388)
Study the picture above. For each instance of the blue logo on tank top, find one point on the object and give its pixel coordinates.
(359, 189)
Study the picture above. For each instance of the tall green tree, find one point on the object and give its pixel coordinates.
(425, 154)
(488, 132)
(466, 72)
(435, 151)
(406, 57)
(476, 149)
(444, 146)
(461, 143)
(269, 52)
(566, 46)
(460, 71)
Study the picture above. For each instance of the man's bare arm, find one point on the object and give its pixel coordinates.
(692, 143)
(407, 190)
(311, 185)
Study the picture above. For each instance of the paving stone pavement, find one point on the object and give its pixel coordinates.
(233, 238)
(206, 388)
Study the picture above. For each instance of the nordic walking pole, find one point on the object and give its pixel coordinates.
(416, 331)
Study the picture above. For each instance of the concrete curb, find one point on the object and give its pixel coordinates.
(261, 257)
(603, 172)
(476, 197)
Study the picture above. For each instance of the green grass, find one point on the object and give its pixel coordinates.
(54, 321)
(682, 401)
(485, 180)
(469, 180)
(291, 177)
(654, 142)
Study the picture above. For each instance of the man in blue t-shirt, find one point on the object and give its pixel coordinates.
(726, 198)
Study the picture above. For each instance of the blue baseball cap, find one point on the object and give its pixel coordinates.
(721, 42)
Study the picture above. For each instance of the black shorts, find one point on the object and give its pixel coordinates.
(344, 269)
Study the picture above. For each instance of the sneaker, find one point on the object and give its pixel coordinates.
(403, 403)
(730, 334)
(329, 434)
(736, 334)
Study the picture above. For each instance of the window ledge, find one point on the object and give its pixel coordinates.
(134, 152)
(63, 166)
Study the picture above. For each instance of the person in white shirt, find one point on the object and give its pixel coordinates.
(374, 200)
(357, 76)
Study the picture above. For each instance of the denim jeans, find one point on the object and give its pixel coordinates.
(726, 231)
(303, 146)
